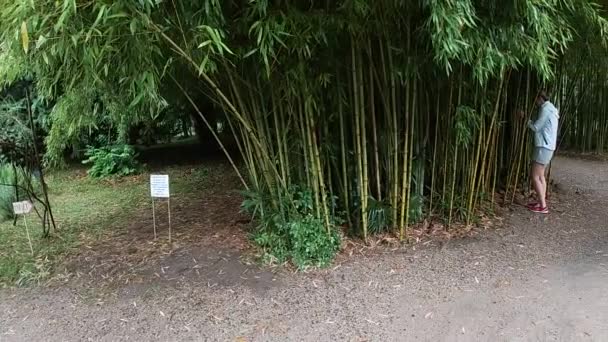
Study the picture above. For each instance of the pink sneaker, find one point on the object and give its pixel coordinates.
(540, 210)
(532, 205)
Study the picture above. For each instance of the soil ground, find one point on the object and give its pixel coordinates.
(536, 278)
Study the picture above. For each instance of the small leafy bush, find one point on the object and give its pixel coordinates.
(311, 244)
(114, 160)
(292, 233)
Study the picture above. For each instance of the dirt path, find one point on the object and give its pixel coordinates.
(535, 279)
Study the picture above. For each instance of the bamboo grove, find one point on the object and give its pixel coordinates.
(585, 128)
(370, 114)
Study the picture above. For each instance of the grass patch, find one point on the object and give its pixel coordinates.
(85, 209)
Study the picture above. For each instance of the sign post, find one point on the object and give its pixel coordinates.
(24, 208)
(159, 188)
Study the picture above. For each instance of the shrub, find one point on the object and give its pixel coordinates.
(292, 232)
(115, 160)
(311, 244)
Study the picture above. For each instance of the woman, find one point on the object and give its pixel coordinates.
(545, 141)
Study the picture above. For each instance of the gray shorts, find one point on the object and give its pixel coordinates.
(542, 155)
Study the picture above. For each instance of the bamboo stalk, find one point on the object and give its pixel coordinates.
(358, 138)
(277, 132)
(316, 173)
(522, 141)
(406, 157)
(365, 183)
(395, 136)
(411, 160)
(372, 102)
(455, 166)
(343, 150)
(434, 162)
(319, 170)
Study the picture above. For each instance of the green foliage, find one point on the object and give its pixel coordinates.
(96, 62)
(16, 138)
(15, 133)
(311, 243)
(466, 122)
(379, 216)
(115, 160)
(170, 123)
(416, 209)
(492, 36)
(276, 68)
(292, 232)
(10, 176)
(457, 207)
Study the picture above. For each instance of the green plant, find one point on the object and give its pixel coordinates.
(416, 209)
(291, 231)
(116, 160)
(311, 244)
(10, 176)
(379, 216)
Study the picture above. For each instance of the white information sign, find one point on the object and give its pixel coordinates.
(159, 186)
(22, 208)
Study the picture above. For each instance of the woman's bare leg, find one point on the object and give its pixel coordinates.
(540, 183)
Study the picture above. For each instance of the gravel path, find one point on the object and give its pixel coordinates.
(535, 279)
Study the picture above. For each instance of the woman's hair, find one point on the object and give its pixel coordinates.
(544, 95)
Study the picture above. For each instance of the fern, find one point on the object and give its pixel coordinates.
(116, 160)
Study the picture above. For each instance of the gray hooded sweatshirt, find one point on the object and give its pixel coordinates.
(545, 127)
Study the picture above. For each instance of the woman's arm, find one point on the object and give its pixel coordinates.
(543, 117)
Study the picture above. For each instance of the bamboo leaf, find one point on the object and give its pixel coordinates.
(133, 26)
(205, 43)
(250, 53)
(25, 38)
(41, 40)
(225, 48)
(118, 16)
(102, 11)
